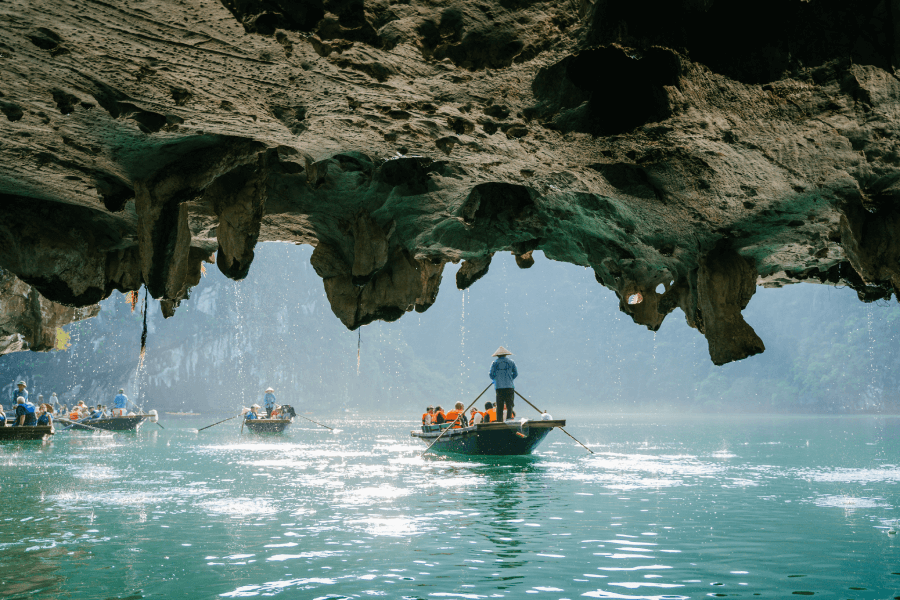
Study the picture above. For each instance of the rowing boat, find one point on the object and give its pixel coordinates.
(263, 425)
(25, 432)
(128, 423)
(497, 438)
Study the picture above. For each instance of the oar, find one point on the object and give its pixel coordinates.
(73, 424)
(457, 419)
(316, 422)
(543, 411)
(222, 421)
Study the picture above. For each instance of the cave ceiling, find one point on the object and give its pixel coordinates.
(686, 150)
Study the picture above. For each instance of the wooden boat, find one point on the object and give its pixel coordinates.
(129, 423)
(23, 432)
(497, 438)
(272, 425)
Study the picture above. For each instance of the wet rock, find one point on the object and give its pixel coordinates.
(471, 271)
(28, 321)
(637, 138)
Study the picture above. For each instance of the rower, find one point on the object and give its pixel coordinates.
(269, 402)
(503, 371)
(120, 403)
(25, 413)
(20, 392)
(253, 414)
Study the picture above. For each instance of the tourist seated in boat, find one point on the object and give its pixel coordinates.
(45, 415)
(476, 417)
(490, 413)
(457, 416)
(2, 417)
(96, 413)
(253, 414)
(427, 416)
(120, 404)
(25, 413)
(438, 415)
(269, 402)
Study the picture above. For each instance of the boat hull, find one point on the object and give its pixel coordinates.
(491, 439)
(36, 432)
(267, 425)
(130, 423)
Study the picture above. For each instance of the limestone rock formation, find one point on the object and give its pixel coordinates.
(685, 150)
(28, 321)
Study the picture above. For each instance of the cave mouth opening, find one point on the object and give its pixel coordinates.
(573, 346)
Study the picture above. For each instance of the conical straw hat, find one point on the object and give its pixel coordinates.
(501, 351)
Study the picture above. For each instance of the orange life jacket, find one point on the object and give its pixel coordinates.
(73, 416)
(437, 413)
(472, 416)
(427, 418)
(491, 415)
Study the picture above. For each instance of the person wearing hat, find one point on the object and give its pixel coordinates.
(253, 414)
(20, 392)
(503, 371)
(427, 416)
(54, 401)
(269, 402)
(120, 403)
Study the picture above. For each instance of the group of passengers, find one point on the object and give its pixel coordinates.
(435, 415)
(29, 414)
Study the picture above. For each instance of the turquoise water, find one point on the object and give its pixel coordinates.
(667, 508)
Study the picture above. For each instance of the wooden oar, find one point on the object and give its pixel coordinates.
(74, 423)
(316, 422)
(457, 419)
(543, 411)
(222, 421)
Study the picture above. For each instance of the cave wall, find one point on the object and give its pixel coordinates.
(686, 151)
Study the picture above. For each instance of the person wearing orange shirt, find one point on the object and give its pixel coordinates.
(458, 414)
(490, 413)
(439, 416)
(428, 416)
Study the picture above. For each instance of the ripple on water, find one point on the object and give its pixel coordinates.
(847, 503)
(885, 474)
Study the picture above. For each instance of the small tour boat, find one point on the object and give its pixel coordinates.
(278, 425)
(126, 423)
(25, 432)
(497, 438)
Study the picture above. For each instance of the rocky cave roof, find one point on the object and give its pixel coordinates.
(685, 150)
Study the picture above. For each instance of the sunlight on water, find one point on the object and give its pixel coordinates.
(691, 510)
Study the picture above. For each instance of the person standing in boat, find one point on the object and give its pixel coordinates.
(120, 404)
(269, 402)
(503, 371)
(19, 392)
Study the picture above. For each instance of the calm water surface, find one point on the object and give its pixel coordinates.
(667, 508)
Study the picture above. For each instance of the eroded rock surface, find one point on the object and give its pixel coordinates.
(685, 150)
(28, 321)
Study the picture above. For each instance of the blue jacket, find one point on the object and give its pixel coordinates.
(17, 394)
(269, 400)
(250, 416)
(120, 401)
(44, 419)
(26, 409)
(503, 371)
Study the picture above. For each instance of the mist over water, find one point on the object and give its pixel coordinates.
(826, 351)
(674, 508)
